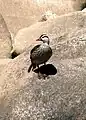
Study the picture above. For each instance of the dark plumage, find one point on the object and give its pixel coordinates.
(41, 53)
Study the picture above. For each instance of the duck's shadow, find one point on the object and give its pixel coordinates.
(48, 69)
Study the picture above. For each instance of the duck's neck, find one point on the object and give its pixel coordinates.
(45, 43)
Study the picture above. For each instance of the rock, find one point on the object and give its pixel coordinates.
(19, 14)
(72, 45)
(61, 95)
(5, 40)
(58, 29)
(47, 15)
(3, 63)
(79, 4)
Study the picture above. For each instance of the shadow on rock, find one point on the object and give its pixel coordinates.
(48, 69)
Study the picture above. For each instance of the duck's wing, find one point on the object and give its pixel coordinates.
(34, 50)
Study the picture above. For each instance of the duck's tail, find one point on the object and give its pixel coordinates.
(30, 68)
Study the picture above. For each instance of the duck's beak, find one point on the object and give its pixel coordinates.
(38, 39)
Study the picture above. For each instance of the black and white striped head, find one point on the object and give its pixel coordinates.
(44, 38)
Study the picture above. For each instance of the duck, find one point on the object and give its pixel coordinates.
(41, 53)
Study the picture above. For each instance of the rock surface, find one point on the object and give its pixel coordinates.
(59, 91)
(19, 14)
(47, 15)
(5, 40)
(60, 96)
(57, 28)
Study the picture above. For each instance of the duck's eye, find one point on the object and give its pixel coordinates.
(45, 39)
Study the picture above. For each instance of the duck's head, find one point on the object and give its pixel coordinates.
(44, 38)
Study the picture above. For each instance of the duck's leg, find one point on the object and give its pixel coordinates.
(39, 74)
(44, 75)
(38, 66)
(44, 63)
(34, 66)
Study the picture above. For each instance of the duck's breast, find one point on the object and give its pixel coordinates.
(41, 54)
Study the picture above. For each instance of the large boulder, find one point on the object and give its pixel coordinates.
(47, 15)
(58, 29)
(19, 14)
(79, 4)
(61, 94)
(58, 96)
(5, 40)
(72, 45)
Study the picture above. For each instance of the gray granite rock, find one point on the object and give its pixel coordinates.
(59, 93)
(5, 40)
(19, 14)
(60, 29)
